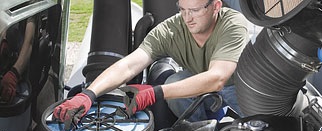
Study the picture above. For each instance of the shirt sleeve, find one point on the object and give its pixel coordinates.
(233, 38)
(158, 39)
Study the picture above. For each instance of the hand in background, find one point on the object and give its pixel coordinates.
(9, 83)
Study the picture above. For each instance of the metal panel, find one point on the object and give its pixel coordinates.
(13, 11)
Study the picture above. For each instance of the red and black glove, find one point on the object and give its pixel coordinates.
(74, 109)
(138, 97)
(9, 83)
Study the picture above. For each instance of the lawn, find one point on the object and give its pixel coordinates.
(80, 12)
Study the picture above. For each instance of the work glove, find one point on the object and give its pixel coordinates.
(138, 97)
(8, 85)
(74, 109)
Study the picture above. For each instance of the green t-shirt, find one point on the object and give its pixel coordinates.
(172, 38)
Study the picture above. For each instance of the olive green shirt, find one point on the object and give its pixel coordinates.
(172, 38)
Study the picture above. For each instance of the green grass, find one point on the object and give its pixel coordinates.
(139, 2)
(80, 12)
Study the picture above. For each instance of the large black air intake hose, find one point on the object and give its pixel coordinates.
(111, 35)
(270, 74)
(308, 23)
(272, 71)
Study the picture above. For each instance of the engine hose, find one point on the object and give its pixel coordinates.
(142, 27)
(270, 74)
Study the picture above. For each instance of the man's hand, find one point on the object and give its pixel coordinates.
(9, 83)
(138, 97)
(74, 109)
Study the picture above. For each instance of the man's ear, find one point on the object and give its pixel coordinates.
(217, 5)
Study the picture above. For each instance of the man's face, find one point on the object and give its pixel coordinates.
(197, 14)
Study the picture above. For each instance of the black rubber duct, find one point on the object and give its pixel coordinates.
(271, 71)
(142, 28)
(308, 24)
(111, 35)
(159, 71)
(160, 9)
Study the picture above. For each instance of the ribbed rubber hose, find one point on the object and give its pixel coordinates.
(270, 73)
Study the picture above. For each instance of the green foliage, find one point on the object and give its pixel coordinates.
(139, 2)
(80, 13)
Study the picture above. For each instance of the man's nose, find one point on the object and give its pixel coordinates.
(188, 16)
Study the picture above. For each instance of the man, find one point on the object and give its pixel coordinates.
(204, 38)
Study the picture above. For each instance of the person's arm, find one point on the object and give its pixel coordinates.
(26, 48)
(212, 80)
(120, 72)
(11, 78)
(113, 77)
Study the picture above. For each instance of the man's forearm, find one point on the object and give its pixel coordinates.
(209, 81)
(193, 86)
(26, 49)
(120, 72)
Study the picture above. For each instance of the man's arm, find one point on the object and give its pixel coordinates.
(212, 80)
(120, 72)
(26, 48)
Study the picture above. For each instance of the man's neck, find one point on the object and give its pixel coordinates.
(201, 38)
